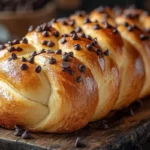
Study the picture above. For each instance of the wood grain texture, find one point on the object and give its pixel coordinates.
(123, 134)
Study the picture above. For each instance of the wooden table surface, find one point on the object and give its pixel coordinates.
(122, 134)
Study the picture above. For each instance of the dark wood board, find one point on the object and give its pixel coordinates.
(123, 133)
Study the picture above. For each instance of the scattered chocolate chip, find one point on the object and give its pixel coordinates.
(49, 51)
(45, 33)
(38, 69)
(79, 143)
(31, 28)
(65, 64)
(130, 28)
(77, 47)
(78, 29)
(59, 51)
(15, 41)
(83, 35)
(115, 31)
(18, 131)
(2, 46)
(87, 20)
(89, 47)
(80, 13)
(82, 68)
(38, 29)
(63, 40)
(45, 27)
(71, 54)
(13, 56)
(23, 59)
(26, 135)
(106, 52)
(79, 79)
(65, 57)
(23, 67)
(96, 27)
(41, 51)
(33, 54)
(72, 22)
(11, 48)
(126, 24)
(107, 25)
(65, 35)
(100, 9)
(52, 21)
(64, 22)
(94, 42)
(98, 52)
(52, 60)
(74, 36)
(56, 33)
(50, 44)
(89, 37)
(24, 40)
(19, 49)
(31, 60)
(144, 37)
(44, 42)
(10, 43)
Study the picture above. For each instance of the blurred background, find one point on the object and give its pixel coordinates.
(17, 15)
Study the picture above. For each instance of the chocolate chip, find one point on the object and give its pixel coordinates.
(41, 51)
(26, 135)
(49, 51)
(56, 33)
(11, 48)
(33, 54)
(130, 28)
(59, 51)
(63, 40)
(89, 37)
(79, 79)
(65, 35)
(115, 31)
(45, 27)
(16, 41)
(50, 44)
(79, 143)
(24, 40)
(77, 47)
(38, 29)
(44, 42)
(82, 68)
(45, 33)
(126, 24)
(65, 57)
(64, 22)
(31, 60)
(38, 69)
(98, 52)
(65, 64)
(72, 23)
(19, 49)
(78, 29)
(83, 35)
(23, 59)
(107, 25)
(10, 43)
(71, 54)
(89, 47)
(68, 70)
(94, 42)
(31, 28)
(100, 9)
(106, 52)
(144, 37)
(23, 67)
(52, 21)
(80, 13)
(2, 46)
(74, 36)
(87, 20)
(18, 131)
(96, 27)
(52, 60)
(13, 56)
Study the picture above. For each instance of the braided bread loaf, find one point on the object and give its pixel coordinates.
(68, 72)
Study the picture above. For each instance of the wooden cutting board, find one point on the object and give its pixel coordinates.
(123, 133)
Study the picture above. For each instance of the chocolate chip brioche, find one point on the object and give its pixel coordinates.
(70, 71)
